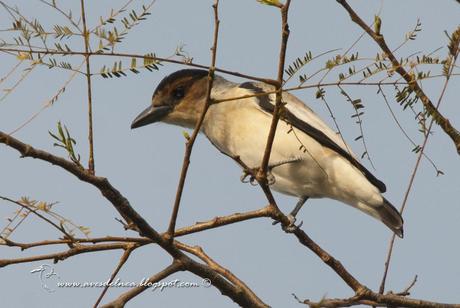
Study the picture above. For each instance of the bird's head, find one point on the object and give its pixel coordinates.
(178, 99)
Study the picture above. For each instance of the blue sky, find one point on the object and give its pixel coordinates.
(145, 164)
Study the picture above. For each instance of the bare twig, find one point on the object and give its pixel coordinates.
(122, 261)
(198, 227)
(49, 102)
(75, 241)
(191, 140)
(393, 115)
(262, 174)
(121, 301)
(376, 300)
(66, 15)
(406, 291)
(223, 220)
(198, 251)
(59, 256)
(89, 89)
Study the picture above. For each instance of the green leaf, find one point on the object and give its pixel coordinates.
(377, 24)
(270, 2)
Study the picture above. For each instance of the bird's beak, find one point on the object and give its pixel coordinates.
(151, 115)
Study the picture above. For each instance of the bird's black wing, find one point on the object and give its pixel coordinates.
(265, 103)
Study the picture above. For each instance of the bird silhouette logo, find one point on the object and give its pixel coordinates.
(46, 273)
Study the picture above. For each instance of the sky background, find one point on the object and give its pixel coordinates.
(144, 164)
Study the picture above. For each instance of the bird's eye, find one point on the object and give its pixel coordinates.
(179, 92)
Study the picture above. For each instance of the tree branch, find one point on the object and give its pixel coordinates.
(377, 300)
(198, 251)
(122, 261)
(191, 140)
(137, 222)
(89, 89)
(198, 227)
(444, 123)
(59, 256)
(223, 220)
(262, 174)
(121, 301)
(137, 56)
(59, 228)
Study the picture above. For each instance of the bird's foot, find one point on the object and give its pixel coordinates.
(270, 178)
(248, 177)
(292, 226)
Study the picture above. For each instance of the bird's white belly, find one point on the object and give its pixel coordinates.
(316, 171)
(246, 136)
(299, 179)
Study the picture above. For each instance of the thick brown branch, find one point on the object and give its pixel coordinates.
(444, 123)
(333, 263)
(123, 206)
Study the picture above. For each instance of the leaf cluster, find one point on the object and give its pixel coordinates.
(65, 141)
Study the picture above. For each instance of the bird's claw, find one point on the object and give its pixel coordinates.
(292, 226)
(248, 177)
(251, 180)
(270, 178)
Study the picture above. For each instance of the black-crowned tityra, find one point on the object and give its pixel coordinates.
(308, 159)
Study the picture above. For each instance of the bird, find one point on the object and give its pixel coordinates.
(308, 158)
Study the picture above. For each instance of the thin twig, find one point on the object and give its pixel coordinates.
(198, 251)
(223, 221)
(121, 301)
(59, 228)
(197, 227)
(48, 103)
(191, 140)
(262, 174)
(69, 17)
(414, 172)
(122, 261)
(137, 56)
(90, 97)
(393, 115)
(59, 256)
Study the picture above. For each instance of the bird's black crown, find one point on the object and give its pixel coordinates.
(193, 73)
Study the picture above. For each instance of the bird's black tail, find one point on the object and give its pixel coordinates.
(390, 216)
